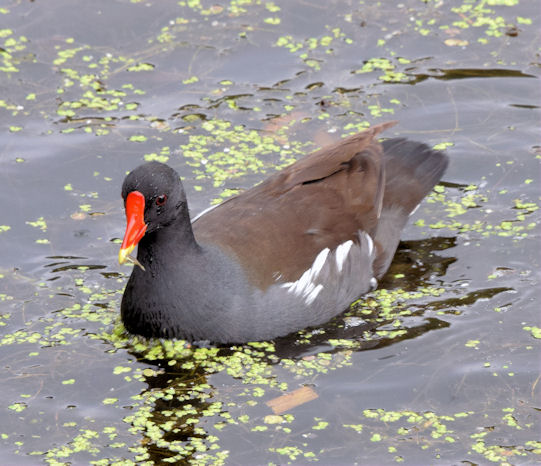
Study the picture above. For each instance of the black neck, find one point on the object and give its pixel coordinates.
(177, 236)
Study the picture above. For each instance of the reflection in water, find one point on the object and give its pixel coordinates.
(417, 262)
(447, 305)
(465, 73)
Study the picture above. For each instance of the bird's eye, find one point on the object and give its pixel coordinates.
(160, 200)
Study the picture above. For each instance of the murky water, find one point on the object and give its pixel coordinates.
(440, 365)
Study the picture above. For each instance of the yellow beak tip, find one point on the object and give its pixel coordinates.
(124, 253)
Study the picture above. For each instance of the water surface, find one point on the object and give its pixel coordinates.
(439, 366)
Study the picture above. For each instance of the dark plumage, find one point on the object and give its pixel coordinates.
(290, 253)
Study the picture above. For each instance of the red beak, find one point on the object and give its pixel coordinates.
(136, 227)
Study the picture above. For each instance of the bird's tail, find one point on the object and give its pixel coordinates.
(412, 169)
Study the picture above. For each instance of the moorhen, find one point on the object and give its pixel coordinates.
(289, 253)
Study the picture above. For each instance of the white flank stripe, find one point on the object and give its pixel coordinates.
(313, 294)
(370, 243)
(298, 287)
(309, 288)
(302, 283)
(305, 285)
(319, 262)
(341, 254)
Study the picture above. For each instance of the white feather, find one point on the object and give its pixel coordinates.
(313, 294)
(319, 262)
(370, 243)
(341, 254)
(305, 285)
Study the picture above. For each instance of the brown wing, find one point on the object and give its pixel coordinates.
(277, 228)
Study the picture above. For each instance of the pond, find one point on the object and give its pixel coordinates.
(440, 365)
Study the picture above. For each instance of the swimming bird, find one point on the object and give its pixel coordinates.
(290, 253)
